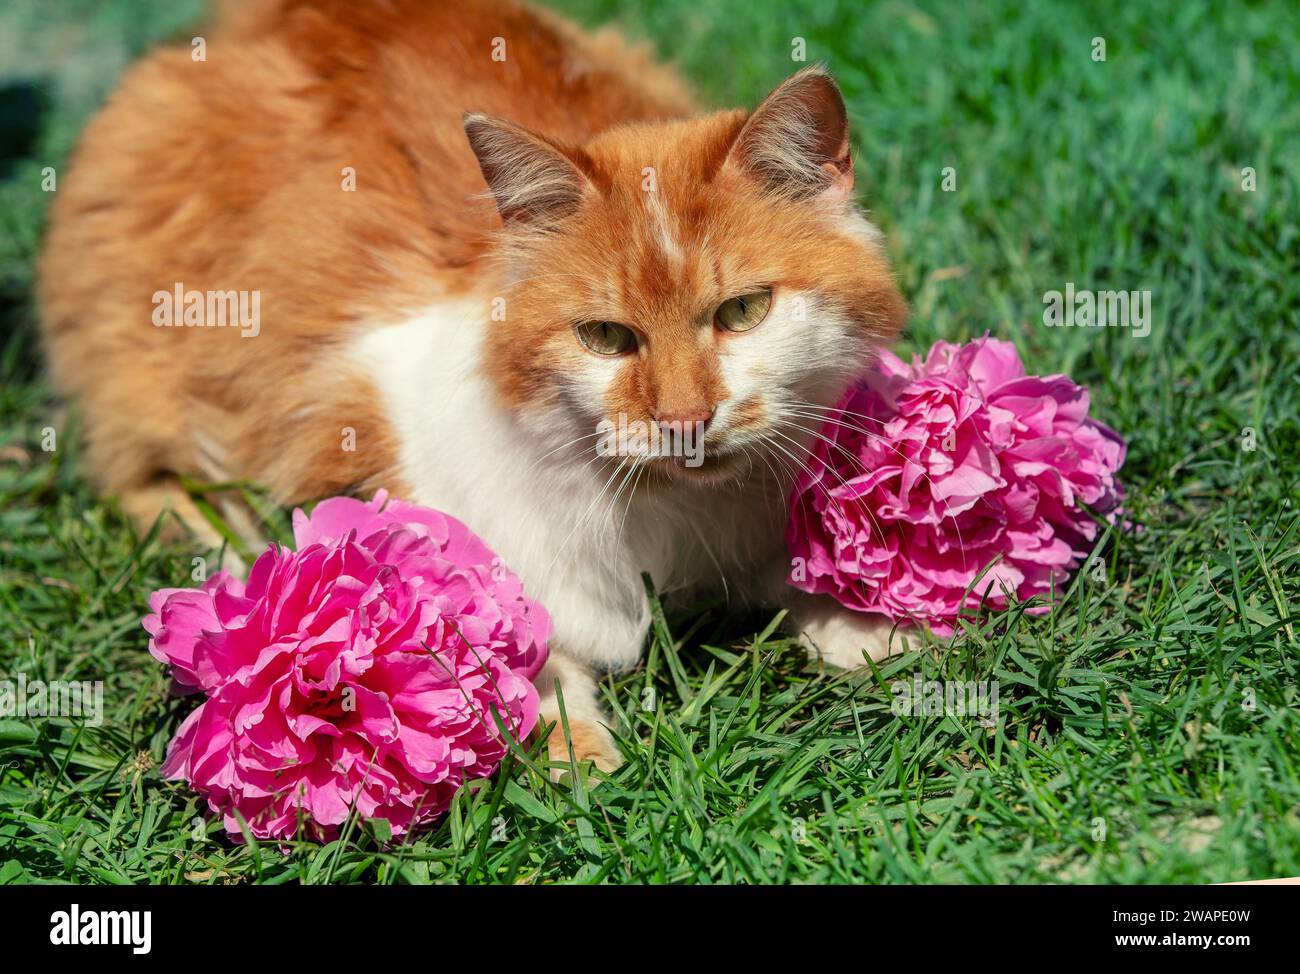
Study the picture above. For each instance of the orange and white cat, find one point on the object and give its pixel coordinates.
(476, 236)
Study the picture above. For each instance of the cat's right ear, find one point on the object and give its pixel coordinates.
(532, 181)
(796, 143)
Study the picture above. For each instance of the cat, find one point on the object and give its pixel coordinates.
(478, 237)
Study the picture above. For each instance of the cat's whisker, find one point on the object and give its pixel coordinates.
(835, 409)
(817, 481)
(828, 441)
(924, 476)
(631, 495)
(797, 461)
(824, 418)
(549, 453)
(778, 509)
(586, 515)
(825, 493)
(791, 471)
(632, 468)
(861, 467)
(777, 472)
(708, 550)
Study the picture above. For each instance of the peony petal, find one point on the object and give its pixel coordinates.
(357, 672)
(948, 465)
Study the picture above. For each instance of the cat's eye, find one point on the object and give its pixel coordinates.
(606, 337)
(743, 312)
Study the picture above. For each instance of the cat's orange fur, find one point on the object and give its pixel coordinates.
(229, 170)
(227, 173)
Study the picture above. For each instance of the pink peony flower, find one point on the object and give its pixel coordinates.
(359, 671)
(936, 471)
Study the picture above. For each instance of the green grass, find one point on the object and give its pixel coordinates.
(1123, 751)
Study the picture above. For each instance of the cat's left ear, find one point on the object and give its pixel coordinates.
(796, 143)
(533, 181)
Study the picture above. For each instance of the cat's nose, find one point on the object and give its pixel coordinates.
(681, 418)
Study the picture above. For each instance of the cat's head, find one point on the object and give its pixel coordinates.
(710, 275)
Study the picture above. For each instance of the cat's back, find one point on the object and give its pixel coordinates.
(314, 131)
(311, 151)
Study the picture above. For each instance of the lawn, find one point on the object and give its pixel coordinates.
(1147, 728)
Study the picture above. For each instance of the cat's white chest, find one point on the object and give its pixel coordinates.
(578, 541)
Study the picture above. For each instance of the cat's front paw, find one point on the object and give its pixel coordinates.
(590, 741)
(831, 633)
